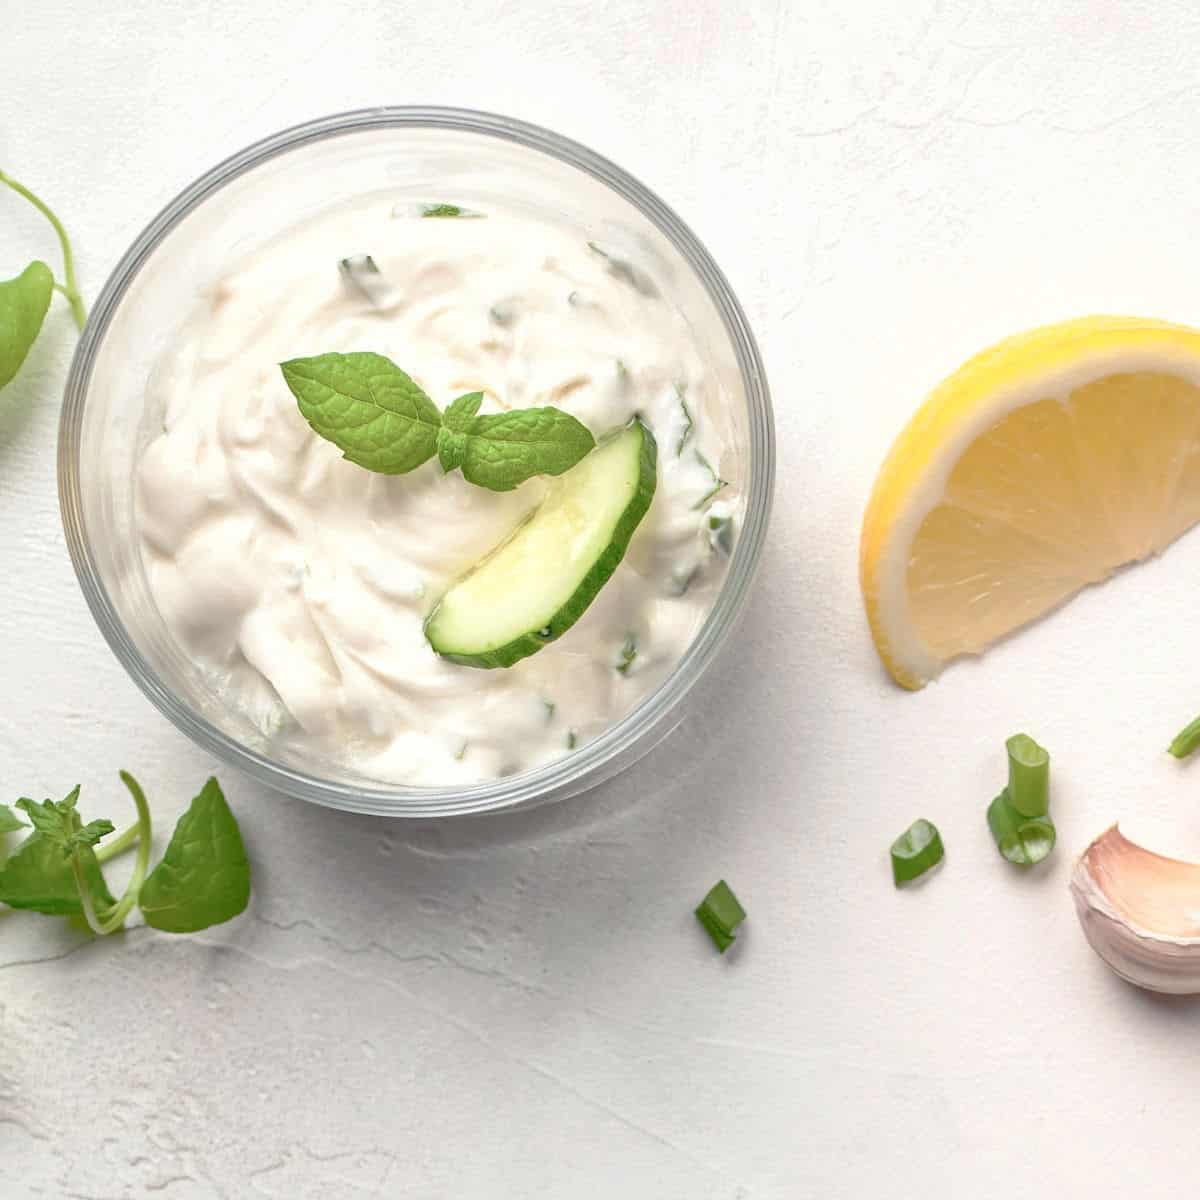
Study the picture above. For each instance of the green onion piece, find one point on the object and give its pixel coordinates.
(629, 652)
(917, 850)
(1022, 840)
(1028, 776)
(689, 423)
(720, 914)
(1187, 740)
(720, 534)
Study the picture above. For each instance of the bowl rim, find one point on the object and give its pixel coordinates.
(574, 772)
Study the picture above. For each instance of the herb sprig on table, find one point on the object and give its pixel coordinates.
(202, 879)
(381, 419)
(25, 299)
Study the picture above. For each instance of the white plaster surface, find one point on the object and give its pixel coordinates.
(523, 1006)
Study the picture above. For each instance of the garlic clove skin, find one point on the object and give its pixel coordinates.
(1141, 913)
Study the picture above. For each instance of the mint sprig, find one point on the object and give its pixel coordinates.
(203, 878)
(501, 450)
(25, 299)
(381, 419)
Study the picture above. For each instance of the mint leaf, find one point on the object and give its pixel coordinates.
(502, 450)
(452, 437)
(9, 821)
(23, 304)
(369, 408)
(39, 877)
(204, 876)
(460, 413)
(92, 832)
(51, 818)
(452, 449)
(58, 822)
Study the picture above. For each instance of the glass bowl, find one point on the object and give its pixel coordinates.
(240, 204)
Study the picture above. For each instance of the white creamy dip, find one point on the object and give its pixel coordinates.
(300, 582)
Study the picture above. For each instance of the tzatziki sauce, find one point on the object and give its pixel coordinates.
(300, 582)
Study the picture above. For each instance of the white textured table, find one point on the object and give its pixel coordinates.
(524, 1006)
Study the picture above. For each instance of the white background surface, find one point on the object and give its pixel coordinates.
(524, 1006)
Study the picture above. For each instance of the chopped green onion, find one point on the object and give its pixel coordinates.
(689, 423)
(358, 265)
(720, 534)
(1022, 840)
(681, 580)
(572, 740)
(1028, 776)
(1187, 740)
(720, 914)
(362, 273)
(629, 651)
(718, 482)
(625, 271)
(917, 850)
(503, 313)
(447, 210)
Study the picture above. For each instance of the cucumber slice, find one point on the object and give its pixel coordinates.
(535, 585)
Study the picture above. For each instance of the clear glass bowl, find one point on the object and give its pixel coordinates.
(421, 153)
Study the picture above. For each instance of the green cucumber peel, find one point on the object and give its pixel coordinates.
(482, 621)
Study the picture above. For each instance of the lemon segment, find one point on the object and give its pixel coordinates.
(1039, 467)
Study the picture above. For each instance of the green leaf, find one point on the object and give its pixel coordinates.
(369, 408)
(55, 820)
(39, 877)
(502, 450)
(461, 412)
(452, 437)
(92, 832)
(204, 876)
(23, 304)
(59, 822)
(9, 821)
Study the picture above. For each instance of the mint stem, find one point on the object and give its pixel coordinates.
(119, 844)
(71, 289)
(116, 916)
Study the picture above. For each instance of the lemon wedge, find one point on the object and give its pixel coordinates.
(1040, 466)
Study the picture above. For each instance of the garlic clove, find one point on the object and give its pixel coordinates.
(1141, 913)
